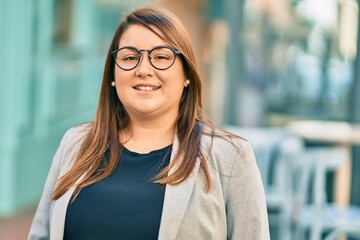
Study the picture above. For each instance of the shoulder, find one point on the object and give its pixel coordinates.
(74, 136)
(218, 140)
(71, 143)
(76, 133)
(229, 151)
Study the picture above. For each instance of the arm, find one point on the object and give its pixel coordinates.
(245, 199)
(40, 228)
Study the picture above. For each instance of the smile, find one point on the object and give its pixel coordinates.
(146, 88)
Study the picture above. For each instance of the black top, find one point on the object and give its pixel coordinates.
(125, 205)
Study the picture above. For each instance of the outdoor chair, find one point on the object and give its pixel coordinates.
(319, 215)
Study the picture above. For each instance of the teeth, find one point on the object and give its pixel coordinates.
(146, 88)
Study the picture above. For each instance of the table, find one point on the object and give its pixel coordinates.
(326, 131)
(330, 132)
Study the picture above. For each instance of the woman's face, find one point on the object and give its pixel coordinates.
(146, 91)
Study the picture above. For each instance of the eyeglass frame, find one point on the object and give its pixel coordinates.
(176, 52)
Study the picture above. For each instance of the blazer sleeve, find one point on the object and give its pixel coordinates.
(245, 199)
(40, 227)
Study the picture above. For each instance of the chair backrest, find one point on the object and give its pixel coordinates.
(325, 159)
(310, 172)
(300, 171)
(313, 165)
(290, 150)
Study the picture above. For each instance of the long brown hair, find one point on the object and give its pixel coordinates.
(111, 116)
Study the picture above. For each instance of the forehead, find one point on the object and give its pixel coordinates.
(140, 37)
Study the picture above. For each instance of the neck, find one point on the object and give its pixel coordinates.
(146, 136)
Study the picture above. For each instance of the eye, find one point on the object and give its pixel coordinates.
(130, 58)
(161, 57)
(162, 54)
(127, 55)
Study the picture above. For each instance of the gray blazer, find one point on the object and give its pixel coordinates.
(234, 208)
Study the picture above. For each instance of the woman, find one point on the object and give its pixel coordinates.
(151, 166)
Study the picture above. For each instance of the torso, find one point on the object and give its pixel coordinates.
(125, 205)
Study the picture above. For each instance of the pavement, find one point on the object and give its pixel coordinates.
(17, 226)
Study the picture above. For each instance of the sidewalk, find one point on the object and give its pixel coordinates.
(16, 227)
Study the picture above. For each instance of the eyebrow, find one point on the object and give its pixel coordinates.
(130, 46)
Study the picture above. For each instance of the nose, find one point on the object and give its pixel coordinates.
(144, 67)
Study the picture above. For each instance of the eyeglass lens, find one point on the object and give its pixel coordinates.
(160, 58)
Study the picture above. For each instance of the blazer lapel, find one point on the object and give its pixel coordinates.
(58, 215)
(176, 201)
(60, 208)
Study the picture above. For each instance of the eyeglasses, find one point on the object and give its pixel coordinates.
(161, 58)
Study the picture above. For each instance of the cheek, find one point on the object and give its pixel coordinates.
(119, 93)
(118, 75)
(175, 82)
(120, 80)
(176, 76)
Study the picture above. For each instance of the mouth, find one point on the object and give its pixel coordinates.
(146, 88)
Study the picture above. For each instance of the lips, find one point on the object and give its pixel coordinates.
(146, 88)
